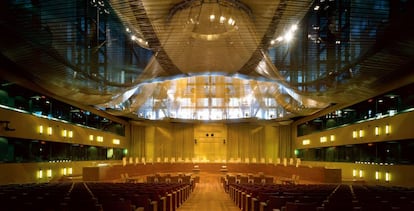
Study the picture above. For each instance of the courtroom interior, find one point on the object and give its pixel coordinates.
(167, 105)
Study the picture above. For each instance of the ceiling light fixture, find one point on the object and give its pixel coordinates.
(210, 20)
(287, 37)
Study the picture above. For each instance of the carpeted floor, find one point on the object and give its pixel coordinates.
(209, 195)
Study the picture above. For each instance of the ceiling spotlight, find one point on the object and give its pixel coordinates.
(288, 36)
(133, 37)
(294, 27)
(231, 21)
(222, 19)
(212, 17)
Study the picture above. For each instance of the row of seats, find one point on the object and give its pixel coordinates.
(275, 196)
(160, 196)
(259, 178)
(94, 196)
(320, 197)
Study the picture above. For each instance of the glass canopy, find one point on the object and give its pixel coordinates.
(213, 97)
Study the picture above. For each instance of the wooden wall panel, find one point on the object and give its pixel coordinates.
(213, 142)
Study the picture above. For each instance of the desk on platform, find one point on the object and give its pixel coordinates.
(316, 174)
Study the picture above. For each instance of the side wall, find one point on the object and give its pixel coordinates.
(20, 173)
(26, 126)
(399, 128)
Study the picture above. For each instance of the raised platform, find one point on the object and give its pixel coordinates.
(316, 174)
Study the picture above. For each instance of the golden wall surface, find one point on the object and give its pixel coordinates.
(26, 126)
(215, 142)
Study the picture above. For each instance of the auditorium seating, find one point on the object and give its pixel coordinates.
(320, 197)
(99, 196)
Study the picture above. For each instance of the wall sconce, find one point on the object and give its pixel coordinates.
(70, 134)
(64, 133)
(64, 171)
(49, 130)
(377, 175)
(40, 174)
(116, 141)
(40, 129)
(377, 131)
(387, 129)
(361, 133)
(306, 142)
(70, 171)
(49, 173)
(323, 139)
(90, 137)
(99, 138)
(354, 134)
(354, 173)
(332, 137)
(387, 176)
(361, 173)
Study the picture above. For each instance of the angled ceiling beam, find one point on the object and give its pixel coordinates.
(257, 56)
(150, 36)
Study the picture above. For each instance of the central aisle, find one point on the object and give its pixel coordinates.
(209, 195)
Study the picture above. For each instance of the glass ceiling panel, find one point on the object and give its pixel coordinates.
(212, 97)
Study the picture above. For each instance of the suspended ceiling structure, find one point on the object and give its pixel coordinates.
(206, 60)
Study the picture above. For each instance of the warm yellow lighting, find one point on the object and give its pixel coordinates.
(99, 139)
(70, 134)
(64, 133)
(387, 176)
(116, 141)
(124, 161)
(354, 134)
(231, 21)
(222, 19)
(323, 139)
(387, 129)
(90, 137)
(377, 131)
(361, 133)
(41, 129)
(306, 142)
(377, 175)
(361, 173)
(49, 173)
(354, 173)
(40, 174)
(49, 130)
(70, 171)
(332, 137)
(64, 171)
(212, 17)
